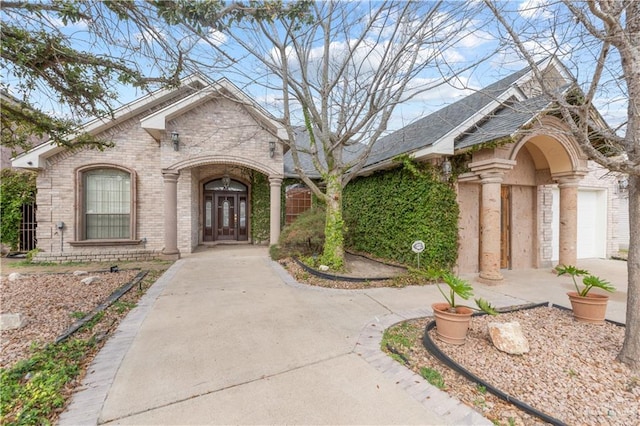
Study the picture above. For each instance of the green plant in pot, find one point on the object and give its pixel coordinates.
(452, 319)
(587, 307)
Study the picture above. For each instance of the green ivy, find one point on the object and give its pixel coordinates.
(384, 213)
(16, 189)
(260, 207)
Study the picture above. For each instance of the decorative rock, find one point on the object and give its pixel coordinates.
(508, 337)
(90, 280)
(323, 268)
(78, 273)
(15, 276)
(11, 321)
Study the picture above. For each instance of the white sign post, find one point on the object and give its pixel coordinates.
(418, 247)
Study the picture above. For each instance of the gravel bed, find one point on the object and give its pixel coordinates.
(570, 372)
(47, 317)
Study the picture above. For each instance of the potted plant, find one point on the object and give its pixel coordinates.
(587, 307)
(452, 319)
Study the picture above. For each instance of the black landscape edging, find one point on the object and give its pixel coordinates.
(335, 277)
(435, 351)
(113, 297)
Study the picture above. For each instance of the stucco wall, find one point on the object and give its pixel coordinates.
(469, 227)
(524, 241)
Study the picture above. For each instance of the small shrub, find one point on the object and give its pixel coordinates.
(303, 237)
(275, 253)
(31, 254)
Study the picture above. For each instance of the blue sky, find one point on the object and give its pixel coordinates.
(481, 38)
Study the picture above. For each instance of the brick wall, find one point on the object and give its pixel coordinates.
(214, 133)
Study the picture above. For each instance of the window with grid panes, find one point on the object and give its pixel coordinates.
(107, 204)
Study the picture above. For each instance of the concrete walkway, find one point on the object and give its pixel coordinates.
(225, 336)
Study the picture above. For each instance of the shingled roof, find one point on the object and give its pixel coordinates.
(431, 128)
(494, 112)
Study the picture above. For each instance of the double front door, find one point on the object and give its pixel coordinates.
(225, 216)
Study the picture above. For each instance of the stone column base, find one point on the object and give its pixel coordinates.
(169, 256)
(491, 279)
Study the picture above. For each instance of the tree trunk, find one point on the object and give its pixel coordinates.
(630, 353)
(333, 255)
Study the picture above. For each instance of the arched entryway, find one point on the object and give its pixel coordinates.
(226, 210)
(506, 220)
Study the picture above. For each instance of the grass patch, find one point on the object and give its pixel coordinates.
(77, 314)
(123, 306)
(397, 341)
(31, 391)
(432, 376)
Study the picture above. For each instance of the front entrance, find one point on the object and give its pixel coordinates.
(225, 211)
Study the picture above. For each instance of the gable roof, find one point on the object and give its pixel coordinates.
(428, 130)
(192, 91)
(504, 122)
(155, 123)
(36, 157)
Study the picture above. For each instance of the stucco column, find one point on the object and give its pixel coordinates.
(490, 227)
(170, 250)
(568, 229)
(275, 200)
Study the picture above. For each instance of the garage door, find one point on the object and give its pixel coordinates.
(592, 223)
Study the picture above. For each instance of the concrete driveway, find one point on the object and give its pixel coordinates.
(225, 336)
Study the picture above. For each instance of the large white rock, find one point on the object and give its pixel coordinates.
(90, 280)
(508, 337)
(78, 273)
(11, 321)
(15, 276)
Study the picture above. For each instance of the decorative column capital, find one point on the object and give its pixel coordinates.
(494, 164)
(568, 179)
(275, 181)
(492, 176)
(170, 175)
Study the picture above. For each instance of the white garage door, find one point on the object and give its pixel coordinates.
(592, 223)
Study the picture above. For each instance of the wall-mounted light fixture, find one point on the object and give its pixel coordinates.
(175, 138)
(272, 148)
(623, 184)
(446, 169)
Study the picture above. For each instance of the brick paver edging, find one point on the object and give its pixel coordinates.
(368, 347)
(86, 404)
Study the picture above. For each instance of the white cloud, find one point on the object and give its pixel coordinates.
(535, 9)
(215, 37)
(475, 39)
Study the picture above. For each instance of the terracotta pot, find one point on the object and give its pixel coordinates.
(590, 308)
(451, 327)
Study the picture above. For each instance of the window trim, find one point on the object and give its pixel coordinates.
(80, 231)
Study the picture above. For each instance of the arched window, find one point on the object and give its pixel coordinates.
(107, 199)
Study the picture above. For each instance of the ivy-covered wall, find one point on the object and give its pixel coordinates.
(386, 212)
(260, 211)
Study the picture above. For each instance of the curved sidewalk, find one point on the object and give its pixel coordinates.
(225, 336)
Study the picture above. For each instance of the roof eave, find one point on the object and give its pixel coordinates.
(36, 157)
